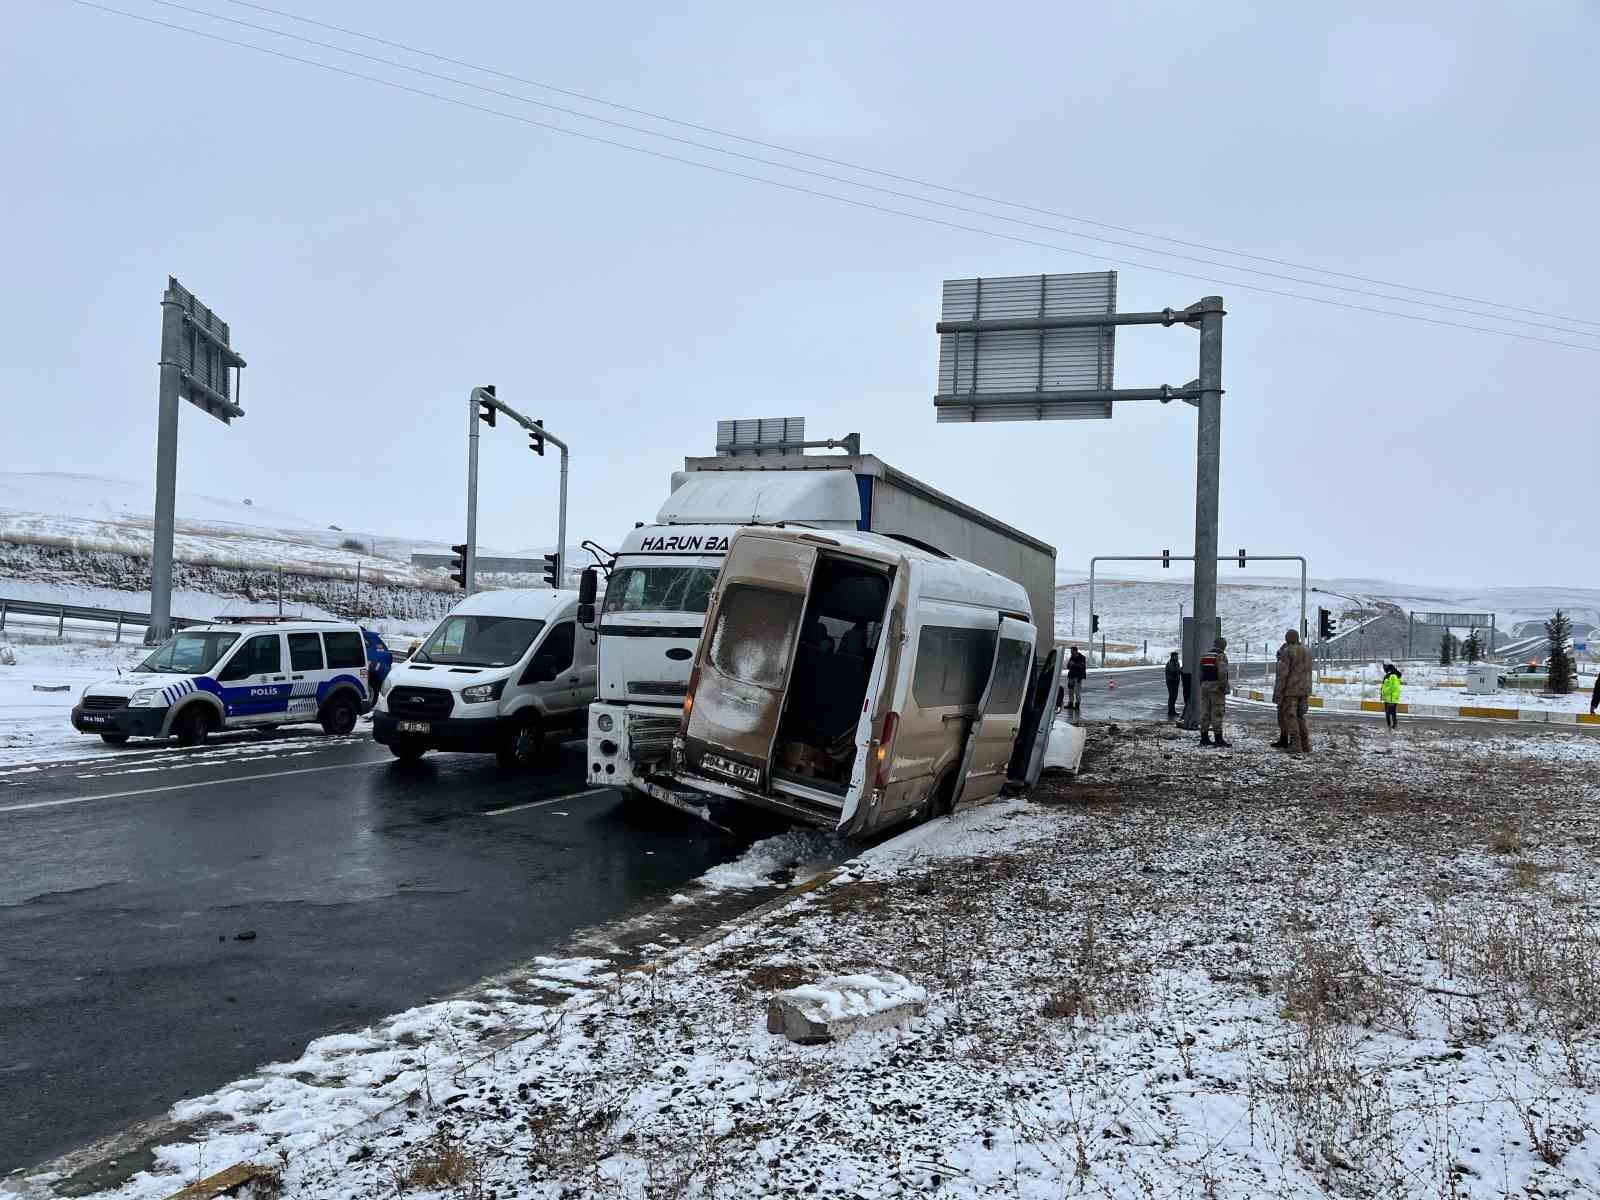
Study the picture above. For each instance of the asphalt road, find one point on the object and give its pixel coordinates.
(368, 886)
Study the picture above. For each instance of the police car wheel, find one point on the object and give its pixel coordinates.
(114, 739)
(338, 716)
(524, 745)
(192, 726)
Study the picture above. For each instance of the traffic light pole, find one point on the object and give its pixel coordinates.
(469, 557)
(480, 399)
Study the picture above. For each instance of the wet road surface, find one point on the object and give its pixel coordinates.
(170, 919)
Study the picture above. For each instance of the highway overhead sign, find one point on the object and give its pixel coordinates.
(1009, 349)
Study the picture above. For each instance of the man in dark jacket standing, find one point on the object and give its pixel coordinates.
(1174, 678)
(1077, 672)
(1594, 703)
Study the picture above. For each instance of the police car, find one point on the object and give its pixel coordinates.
(234, 675)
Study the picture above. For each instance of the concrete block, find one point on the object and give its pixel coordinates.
(836, 1007)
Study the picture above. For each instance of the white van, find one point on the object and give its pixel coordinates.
(854, 681)
(501, 672)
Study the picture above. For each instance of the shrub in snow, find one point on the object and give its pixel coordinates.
(8, 656)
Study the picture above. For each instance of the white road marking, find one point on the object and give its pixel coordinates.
(179, 787)
(500, 812)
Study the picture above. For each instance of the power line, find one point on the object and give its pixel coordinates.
(924, 183)
(853, 201)
(821, 175)
(853, 183)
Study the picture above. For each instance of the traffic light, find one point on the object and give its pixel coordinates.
(552, 570)
(536, 440)
(458, 564)
(1241, 556)
(1166, 559)
(1324, 624)
(486, 411)
(1094, 622)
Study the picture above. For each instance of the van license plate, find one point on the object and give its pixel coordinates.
(413, 726)
(743, 772)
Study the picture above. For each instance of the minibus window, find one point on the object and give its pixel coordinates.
(1010, 676)
(952, 666)
(755, 634)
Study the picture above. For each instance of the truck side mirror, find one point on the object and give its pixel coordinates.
(588, 585)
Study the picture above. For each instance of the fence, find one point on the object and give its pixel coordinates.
(78, 612)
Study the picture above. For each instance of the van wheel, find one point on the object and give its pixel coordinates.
(114, 739)
(192, 726)
(338, 716)
(524, 745)
(406, 750)
(942, 800)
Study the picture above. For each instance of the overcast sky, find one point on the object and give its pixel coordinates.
(378, 253)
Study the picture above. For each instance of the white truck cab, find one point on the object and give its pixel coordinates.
(501, 672)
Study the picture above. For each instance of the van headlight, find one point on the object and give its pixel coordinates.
(147, 698)
(604, 723)
(481, 693)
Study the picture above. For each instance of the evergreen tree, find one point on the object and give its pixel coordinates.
(1472, 648)
(1447, 649)
(1558, 630)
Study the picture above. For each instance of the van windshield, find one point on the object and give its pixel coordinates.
(188, 653)
(480, 641)
(660, 589)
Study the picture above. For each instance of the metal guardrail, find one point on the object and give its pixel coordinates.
(79, 612)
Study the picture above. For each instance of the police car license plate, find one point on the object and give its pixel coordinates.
(743, 772)
(94, 718)
(413, 727)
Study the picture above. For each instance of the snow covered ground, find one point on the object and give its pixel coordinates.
(34, 724)
(1422, 685)
(1371, 973)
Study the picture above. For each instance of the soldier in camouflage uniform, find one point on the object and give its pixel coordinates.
(1214, 684)
(1293, 692)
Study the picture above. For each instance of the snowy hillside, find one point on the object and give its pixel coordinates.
(1133, 611)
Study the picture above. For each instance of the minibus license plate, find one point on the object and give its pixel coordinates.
(413, 727)
(733, 770)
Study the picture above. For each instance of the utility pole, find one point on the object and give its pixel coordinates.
(1208, 469)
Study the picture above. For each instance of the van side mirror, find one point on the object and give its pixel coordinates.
(588, 586)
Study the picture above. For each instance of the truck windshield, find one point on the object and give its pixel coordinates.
(660, 589)
(480, 641)
(188, 653)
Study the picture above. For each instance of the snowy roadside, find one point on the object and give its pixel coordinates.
(35, 724)
(1372, 972)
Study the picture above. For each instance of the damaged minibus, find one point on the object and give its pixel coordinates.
(856, 681)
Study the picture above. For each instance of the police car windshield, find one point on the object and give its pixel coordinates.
(188, 653)
(480, 641)
(660, 589)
